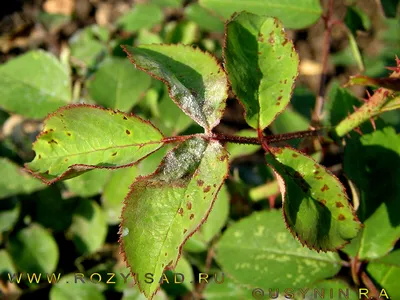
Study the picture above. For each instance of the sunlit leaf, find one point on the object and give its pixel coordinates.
(15, 180)
(78, 138)
(259, 252)
(316, 208)
(294, 14)
(262, 66)
(117, 84)
(26, 91)
(34, 249)
(204, 18)
(196, 81)
(165, 208)
(140, 16)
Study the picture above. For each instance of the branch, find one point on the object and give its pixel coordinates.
(319, 104)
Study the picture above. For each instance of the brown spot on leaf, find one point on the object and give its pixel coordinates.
(214, 185)
(294, 155)
(339, 204)
(115, 153)
(279, 98)
(191, 216)
(66, 159)
(325, 188)
(180, 211)
(184, 231)
(69, 134)
(39, 156)
(125, 118)
(165, 253)
(277, 151)
(189, 205)
(200, 182)
(278, 103)
(323, 202)
(127, 132)
(341, 217)
(207, 189)
(316, 172)
(316, 166)
(284, 42)
(319, 178)
(52, 141)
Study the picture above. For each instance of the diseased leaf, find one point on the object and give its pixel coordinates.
(315, 205)
(78, 138)
(15, 180)
(294, 14)
(118, 85)
(34, 249)
(89, 227)
(195, 80)
(115, 191)
(386, 271)
(259, 252)
(140, 16)
(165, 208)
(262, 66)
(330, 288)
(33, 94)
(215, 221)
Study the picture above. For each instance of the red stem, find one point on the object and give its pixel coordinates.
(261, 140)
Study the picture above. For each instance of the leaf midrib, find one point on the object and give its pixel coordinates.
(108, 148)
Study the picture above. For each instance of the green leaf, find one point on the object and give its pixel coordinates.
(89, 227)
(33, 94)
(52, 211)
(118, 85)
(171, 120)
(386, 272)
(227, 290)
(390, 8)
(165, 208)
(215, 222)
(6, 264)
(168, 3)
(15, 180)
(9, 213)
(133, 293)
(262, 66)
(34, 249)
(176, 284)
(141, 16)
(196, 81)
(71, 288)
(331, 288)
(183, 32)
(89, 44)
(238, 150)
(88, 184)
(380, 159)
(204, 18)
(316, 207)
(115, 191)
(294, 14)
(259, 252)
(78, 138)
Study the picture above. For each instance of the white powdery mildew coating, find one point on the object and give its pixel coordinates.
(182, 160)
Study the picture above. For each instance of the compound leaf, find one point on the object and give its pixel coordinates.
(195, 80)
(165, 208)
(78, 138)
(259, 252)
(262, 66)
(34, 84)
(294, 14)
(315, 205)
